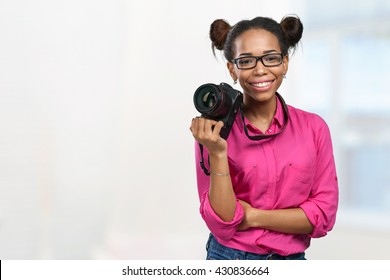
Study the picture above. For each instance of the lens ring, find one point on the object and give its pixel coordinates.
(208, 99)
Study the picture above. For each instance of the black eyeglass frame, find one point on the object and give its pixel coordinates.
(257, 60)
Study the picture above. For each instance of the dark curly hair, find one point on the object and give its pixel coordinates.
(288, 31)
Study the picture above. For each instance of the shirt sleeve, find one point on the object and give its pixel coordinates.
(219, 228)
(321, 207)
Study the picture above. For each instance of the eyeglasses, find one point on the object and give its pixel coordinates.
(268, 60)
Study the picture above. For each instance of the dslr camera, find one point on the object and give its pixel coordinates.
(220, 103)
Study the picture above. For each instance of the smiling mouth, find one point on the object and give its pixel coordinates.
(261, 85)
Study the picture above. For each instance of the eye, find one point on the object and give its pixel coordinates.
(245, 61)
(272, 58)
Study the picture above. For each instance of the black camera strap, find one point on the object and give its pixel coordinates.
(266, 136)
(251, 137)
(205, 170)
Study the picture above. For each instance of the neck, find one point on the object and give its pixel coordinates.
(260, 113)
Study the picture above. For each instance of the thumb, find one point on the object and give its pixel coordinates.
(217, 127)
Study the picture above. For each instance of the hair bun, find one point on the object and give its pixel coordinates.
(292, 28)
(219, 31)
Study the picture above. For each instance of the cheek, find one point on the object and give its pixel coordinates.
(243, 75)
(280, 73)
(279, 79)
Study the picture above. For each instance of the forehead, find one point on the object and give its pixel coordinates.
(256, 42)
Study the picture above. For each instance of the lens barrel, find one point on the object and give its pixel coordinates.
(211, 101)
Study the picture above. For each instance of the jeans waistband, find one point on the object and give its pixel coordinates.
(217, 251)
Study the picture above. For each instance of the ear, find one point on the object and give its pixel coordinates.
(285, 64)
(231, 69)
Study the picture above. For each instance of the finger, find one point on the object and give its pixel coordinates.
(209, 127)
(217, 128)
(193, 125)
(200, 126)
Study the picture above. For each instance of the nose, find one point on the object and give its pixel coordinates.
(260, 69)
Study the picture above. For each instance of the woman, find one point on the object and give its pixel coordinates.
(272, 184)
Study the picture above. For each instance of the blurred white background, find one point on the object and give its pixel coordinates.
(96, 156)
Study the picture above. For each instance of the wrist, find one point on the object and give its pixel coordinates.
(254, 218)
(218, 154)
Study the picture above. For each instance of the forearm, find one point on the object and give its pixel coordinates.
(292, 220)
(221, 194)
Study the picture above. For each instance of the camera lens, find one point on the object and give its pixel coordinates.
(208, 99)
(220, 103)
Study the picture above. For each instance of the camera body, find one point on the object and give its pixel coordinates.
(220, 103)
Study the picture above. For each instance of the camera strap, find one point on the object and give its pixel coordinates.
(266, 136)
(251, 137)
(202, 165)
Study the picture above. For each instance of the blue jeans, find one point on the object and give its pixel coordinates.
(216, 251)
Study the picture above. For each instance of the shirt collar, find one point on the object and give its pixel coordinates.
(277, 121)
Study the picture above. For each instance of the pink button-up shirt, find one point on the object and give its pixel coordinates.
(293, 169)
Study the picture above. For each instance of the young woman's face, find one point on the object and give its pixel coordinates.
(259, 83)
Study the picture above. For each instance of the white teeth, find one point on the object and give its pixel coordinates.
(264, 84)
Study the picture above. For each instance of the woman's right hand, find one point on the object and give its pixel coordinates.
(207, 133)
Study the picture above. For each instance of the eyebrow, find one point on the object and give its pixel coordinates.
(264, 52)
